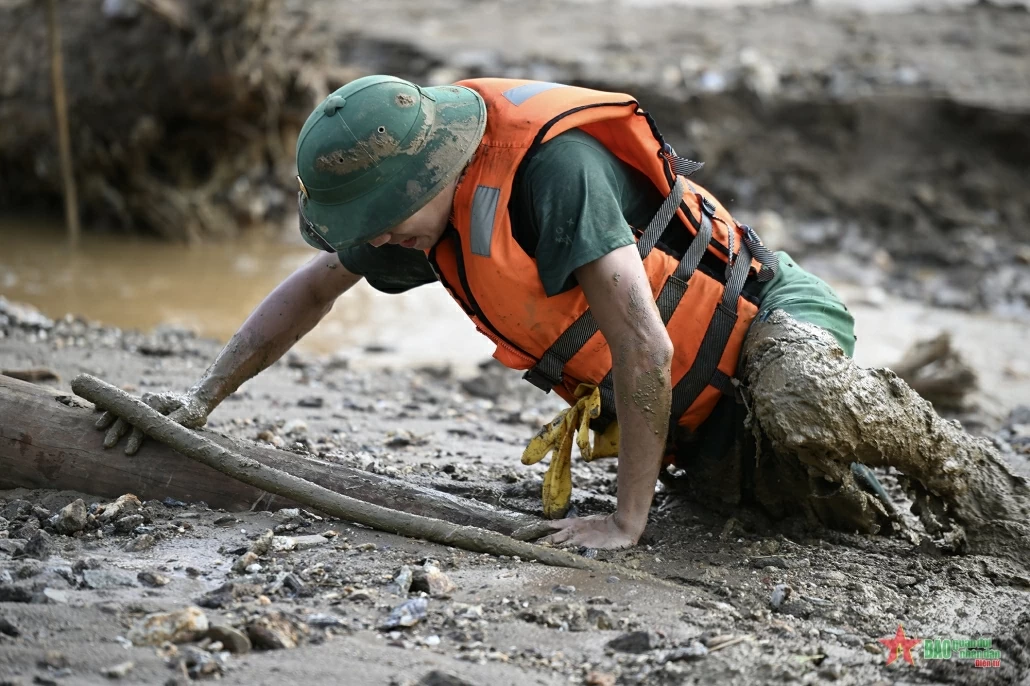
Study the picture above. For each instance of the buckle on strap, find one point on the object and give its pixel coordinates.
(769, 260)
(681, 166)
(541, 379)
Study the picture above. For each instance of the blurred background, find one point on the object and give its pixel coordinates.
(884, 143)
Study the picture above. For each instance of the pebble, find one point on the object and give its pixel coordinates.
(780, 593)
(39, 546)
(402, 582)
(7, 628)
(176, 627)
(429, 579)
(127, 523)
(72, 517)
(695, 651)
(439, 678)
(101, 579)
(634, 642)
(55, 595)
(274, 631)
(152, 579)
(325, 621)
(244, 561)
(118, 671)
(234, 640)
(769, 561)
(564, 590)
(599, 679)
(406, 614)
(54, 659)
(140, 544)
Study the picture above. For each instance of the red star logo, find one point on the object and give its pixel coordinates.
(899, 645)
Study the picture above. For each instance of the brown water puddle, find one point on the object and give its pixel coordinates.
(135, 283)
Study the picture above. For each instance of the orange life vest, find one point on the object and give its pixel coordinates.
(556, 338)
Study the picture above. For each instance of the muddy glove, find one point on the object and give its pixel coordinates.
(557, 436)
(183, 408)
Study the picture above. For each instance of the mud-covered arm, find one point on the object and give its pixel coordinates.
(283, 318)
(620, 297)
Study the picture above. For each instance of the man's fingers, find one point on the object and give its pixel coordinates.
(106, 420)
(134, 442)
(115, 433)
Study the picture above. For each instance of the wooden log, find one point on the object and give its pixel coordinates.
(47, 440)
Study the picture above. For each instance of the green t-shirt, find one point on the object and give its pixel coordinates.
(574, 203)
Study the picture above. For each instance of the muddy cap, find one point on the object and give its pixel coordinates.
(376, 151)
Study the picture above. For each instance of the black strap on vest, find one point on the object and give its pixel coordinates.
(547, 373)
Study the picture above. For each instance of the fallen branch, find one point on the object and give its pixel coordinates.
(196, 447)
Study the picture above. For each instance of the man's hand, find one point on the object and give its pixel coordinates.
(597, 531)
(184, 408)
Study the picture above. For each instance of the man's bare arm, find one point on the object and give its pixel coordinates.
(620, 298)
(283, 317)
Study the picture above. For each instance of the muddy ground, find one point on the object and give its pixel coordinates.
(71, 602)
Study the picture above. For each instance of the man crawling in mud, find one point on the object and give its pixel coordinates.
(567, 230)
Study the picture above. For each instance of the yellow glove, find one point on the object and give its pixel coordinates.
(557, 436)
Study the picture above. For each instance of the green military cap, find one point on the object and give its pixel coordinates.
(376, 151)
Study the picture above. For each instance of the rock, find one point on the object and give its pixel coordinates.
(100, 579)
(17, 508)
(769, 561)
(140, 544)
(308, 542)
(245, 560)
(8, 629)
(406, 614)
(54, 659)
(275, 631)
(780, 593)
(402, 582)
(263, 543)
(295, 426)
(125, 505)
(438, 678)
(695, 651)
(906, 580)
(325, 621)
(11, 593)
(119, 671)
(234, 640)
(599, 679)
(39, 546)
(634, 642)
(176, 627)
(126, 524)
(564, 590)
(314, 401)
(287, 514)
(152, 579)
(72, 517)
(429, 579)
(201, 663)
(602, 619)
(55, 595)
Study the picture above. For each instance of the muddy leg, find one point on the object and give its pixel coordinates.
(810, 400)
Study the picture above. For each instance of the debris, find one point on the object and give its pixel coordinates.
(8, 629)
(153, 579)
(39, 546)
(234, 640)
(402, 582)
(408, 613)
(695, 651)
(780, 594)
(429, 579)
(722, 641)
(634, 642)
(140, 544)
(176, 627)
(118, 671)
(101, 579)
(438, 678)
(275, 631)
(72, 517)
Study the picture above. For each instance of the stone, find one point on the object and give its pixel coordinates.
(101, 579)
(263, 543)
(118, 671)
(439, 678)
(429, 579)
(321, 620)
(406, 614)
(54, 659)
(7, 628)
(275, 631)
(234, 640)
(125, 505)
(140, 544)
(17, 508)
(402, 582)
(39, 546)
(599, 679)
(769, 561)
(126, 524)
(564, 590)
(72, 517)
(634, 642)
(11, 593)
(245, 560)
(152, 579)
(780, 594)
(694, 651)
(180, 626)
(55, 595)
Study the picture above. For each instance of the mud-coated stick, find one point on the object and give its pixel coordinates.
(196, 447)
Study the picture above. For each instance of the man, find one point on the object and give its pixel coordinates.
(563, 225)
